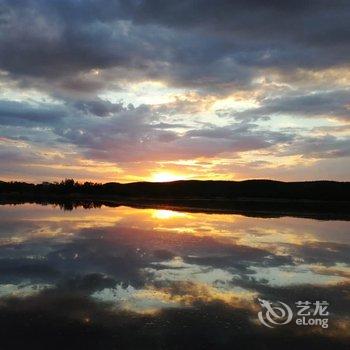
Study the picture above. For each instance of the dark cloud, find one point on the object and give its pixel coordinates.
(336, 295)
(328, 146)
(66, 321)
(317, 104)
(201, 43)
(17, 270)
(267, 33)
(98, 107)
(22, 113)
(326, 253)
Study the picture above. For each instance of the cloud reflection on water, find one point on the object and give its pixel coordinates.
(156, 263)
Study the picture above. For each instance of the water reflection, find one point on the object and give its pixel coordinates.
(109, 271)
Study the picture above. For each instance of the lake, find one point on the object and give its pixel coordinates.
(161, 279)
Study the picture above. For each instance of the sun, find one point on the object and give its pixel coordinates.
(165, 177)
(167, 214)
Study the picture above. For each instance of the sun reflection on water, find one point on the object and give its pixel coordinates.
(125, 258)
(167, 214)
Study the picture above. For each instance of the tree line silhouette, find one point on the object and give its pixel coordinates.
(187, 189)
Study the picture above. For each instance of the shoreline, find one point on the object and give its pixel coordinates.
(251, 207)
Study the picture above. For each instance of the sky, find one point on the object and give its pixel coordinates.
(106, 90)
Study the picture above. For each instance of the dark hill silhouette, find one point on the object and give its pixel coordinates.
(192, 189)
(318, 199)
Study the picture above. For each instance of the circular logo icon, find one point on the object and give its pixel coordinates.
(274, 314)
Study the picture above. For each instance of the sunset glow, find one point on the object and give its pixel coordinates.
(174, 174)
(167, 214)
(130, 95)
(166, 177)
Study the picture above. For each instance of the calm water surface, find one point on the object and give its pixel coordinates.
(159, 279)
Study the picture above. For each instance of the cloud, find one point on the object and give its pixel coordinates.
(320, 147)
(183, 43)
(21, 113)
(73, 263)
(319, 104)
(225, 74)
(133, 133)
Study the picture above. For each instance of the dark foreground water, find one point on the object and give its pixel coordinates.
(123, 278)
